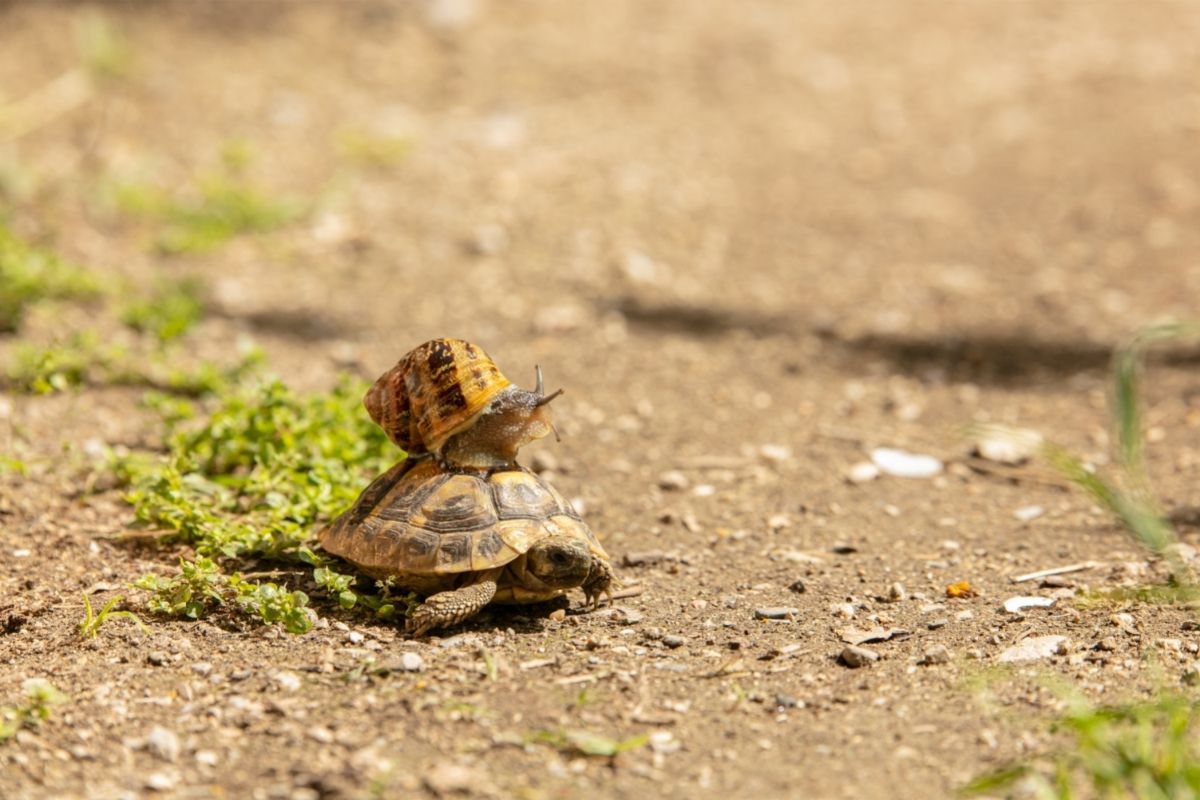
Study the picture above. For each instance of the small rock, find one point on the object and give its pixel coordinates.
(627, 616)
(1008, 446)
(1028, 513)
(775, 453)
(937, 654)
(1034, 649)
(202, 668)
(785, 701)
(776, 612)
(163, 743)
(843, 610)
(965, 615)
(862, 472)
(558, 615)
(1107, 644)
(447, 778)
(1014, 605)
(287, 681)
(672, 641)
(896, 593)
(902, 464)
(160, 782)
(934, 624)
(777, 522)
(673, 480)
(798, 586)
(207, 758)
(157, 658)
(855, 657)
(411, 662)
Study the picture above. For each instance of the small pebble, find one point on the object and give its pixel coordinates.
(673, 641)
(354, 637)
(156, 658)
(862, 472)
(160, 782)
(855, 657)
(287, 681)
(775, 453)
(934, 624)
(902, 464)
(1034, 649)
(163, 744)
(1028, 513)
(411, 662)
(202, 668)
(896, 593)
(785, 701)
(937, 654)
(776, 612)
(798, 586)
(673, 480)
(1015, 605)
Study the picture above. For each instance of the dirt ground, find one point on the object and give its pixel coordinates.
(752, 241)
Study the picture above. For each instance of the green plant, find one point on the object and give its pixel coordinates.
(1127, 491)
(90, 627)
(170, 311)
(214, 208)
(372, 150)
(80, 359)
(587, 743)
(105, 51)
(29, 274)
(40, 696)
(254, 479)
(201, 586)
(1148, 750)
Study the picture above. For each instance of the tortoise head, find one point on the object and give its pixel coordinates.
(559, 562)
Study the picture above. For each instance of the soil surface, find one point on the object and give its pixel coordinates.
(753, 241)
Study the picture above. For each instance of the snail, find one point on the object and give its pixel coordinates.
(448, 399)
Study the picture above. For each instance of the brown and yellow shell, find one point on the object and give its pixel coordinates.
(427, 526)
(438, 389)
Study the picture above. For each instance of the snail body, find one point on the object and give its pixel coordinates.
(448, 399)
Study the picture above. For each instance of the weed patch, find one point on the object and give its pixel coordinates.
(1146, 750)
(29, 274)
(33, 710)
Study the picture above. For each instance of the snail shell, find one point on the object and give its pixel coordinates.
(438, 389)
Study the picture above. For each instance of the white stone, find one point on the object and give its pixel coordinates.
(902, 464)
(1014, 605)
(1034, 649)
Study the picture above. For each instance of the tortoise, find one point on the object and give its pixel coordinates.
(467, 538)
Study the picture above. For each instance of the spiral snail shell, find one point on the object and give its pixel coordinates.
(447, 398)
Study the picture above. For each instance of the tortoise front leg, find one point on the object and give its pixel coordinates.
(600, 581)
(450, 608)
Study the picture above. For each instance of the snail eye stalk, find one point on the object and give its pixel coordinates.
(540, 389)
(546, 398)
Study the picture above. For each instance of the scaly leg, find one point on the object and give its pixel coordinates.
(450, 608)
(600, 581)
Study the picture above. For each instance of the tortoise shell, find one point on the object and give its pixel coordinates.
(436, 390)
(432, 527)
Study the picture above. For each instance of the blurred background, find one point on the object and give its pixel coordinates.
(939, 190)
